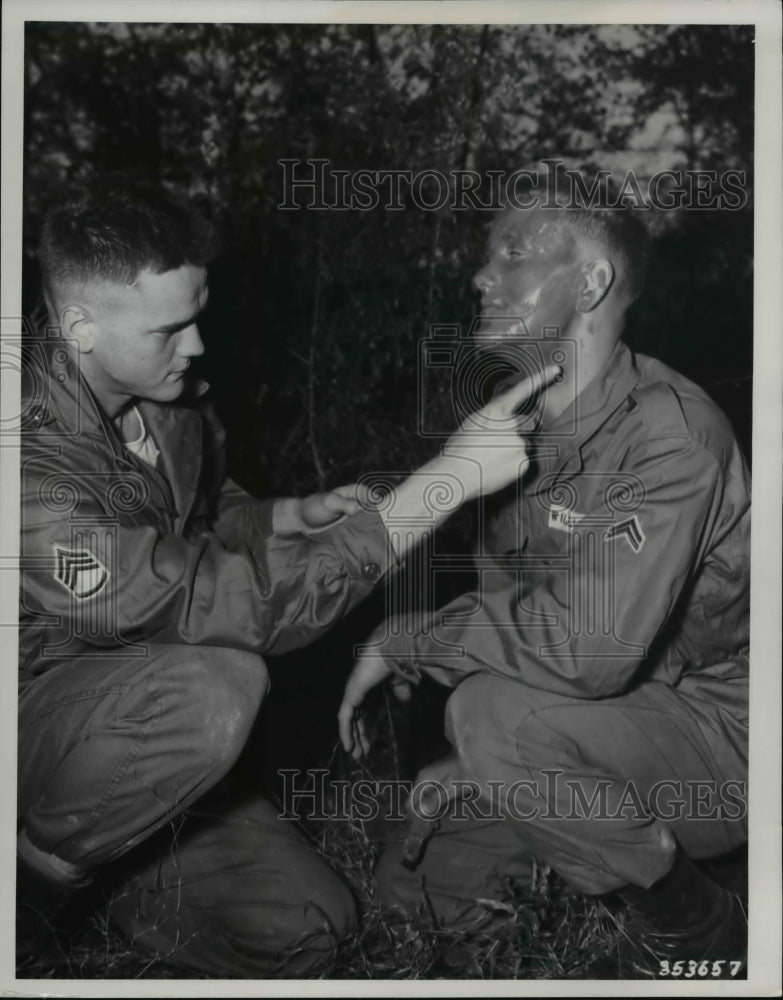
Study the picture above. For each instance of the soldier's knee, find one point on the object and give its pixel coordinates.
(239, 892)
(209, 699)
(328, 917)
(301, 939)
(238, 677)
(545, 734)
(329, 905)
(489, 718)
(466, 706)
(217, 925)
(470, 717)
(234, 685)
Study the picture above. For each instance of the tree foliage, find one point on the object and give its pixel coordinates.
(316, 316)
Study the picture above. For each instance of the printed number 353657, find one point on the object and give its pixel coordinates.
(702, 970)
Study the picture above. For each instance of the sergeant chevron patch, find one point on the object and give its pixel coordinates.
(630, 530)
(79, 571)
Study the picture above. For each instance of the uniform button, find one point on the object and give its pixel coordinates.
(371, 570)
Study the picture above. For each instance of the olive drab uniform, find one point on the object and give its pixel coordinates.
(148, 598)
(601, 666)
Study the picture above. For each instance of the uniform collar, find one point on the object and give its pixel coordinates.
(562, 440)
(177, 431)
(56, 393)
(59, 398)
(54, 388)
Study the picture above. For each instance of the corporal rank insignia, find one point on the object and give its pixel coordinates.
(80, 572)
(563, 519)
(630, 530)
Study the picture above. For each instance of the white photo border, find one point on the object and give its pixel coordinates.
(764, 959)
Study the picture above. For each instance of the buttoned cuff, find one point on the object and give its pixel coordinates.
(395, 641)
(364, 546)
(404, 643)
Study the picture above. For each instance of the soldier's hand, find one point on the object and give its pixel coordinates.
(322, 509)
(486, 452)
(368, 671)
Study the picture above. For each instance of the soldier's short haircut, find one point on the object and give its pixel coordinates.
(624, 236)
(618, 228)
(113, 229)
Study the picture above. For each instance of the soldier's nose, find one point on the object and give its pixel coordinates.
(191, 345)
(484, 280)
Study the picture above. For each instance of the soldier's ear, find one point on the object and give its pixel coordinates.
(597, 279)
(77, 324)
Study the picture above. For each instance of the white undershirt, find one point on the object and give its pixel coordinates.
(143, 445)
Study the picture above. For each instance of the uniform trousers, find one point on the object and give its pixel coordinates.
(601, 790)
(116, 755)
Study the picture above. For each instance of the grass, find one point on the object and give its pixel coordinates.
(540, 930)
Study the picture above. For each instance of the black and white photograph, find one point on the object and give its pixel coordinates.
(382, 391)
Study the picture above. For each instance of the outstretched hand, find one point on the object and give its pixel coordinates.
(486, 451)
(369, 670)
(484, 454)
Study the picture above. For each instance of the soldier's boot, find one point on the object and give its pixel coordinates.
(47, 891)
(683, 927)
(42, 916)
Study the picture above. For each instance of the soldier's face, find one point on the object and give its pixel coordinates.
(145, 335)
(531, 276)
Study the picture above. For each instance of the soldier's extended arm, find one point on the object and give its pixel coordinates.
(268, 592)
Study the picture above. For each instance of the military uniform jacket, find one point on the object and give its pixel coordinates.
(114, 553)
(621, 557)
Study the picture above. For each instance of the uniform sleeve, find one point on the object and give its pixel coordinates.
(240, 517)
(107, 580)
(235, 515)
(589, 625)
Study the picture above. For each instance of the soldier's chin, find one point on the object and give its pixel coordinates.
(490, 334)
(172, 388)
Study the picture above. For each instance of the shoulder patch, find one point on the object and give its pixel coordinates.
(79, 571)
